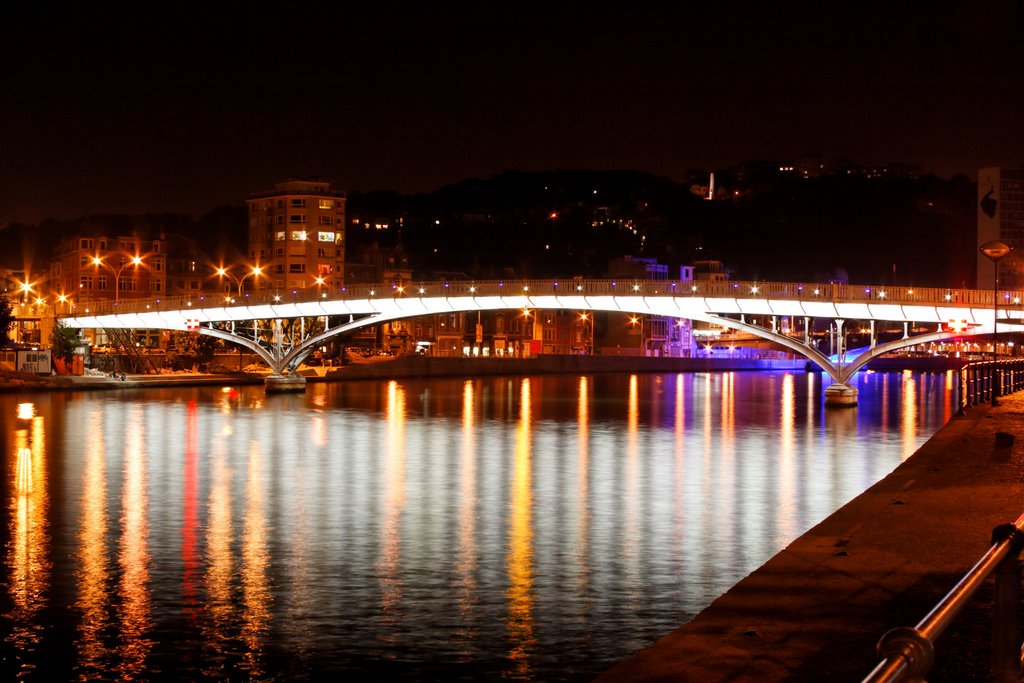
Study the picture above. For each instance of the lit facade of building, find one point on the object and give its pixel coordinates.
(100, 265)
(297, 236)
(1001, 217)
(92, 266)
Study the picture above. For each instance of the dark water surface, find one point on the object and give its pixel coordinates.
(537, 528)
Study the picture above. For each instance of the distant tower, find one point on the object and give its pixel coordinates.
(1001, 217)
(297, 234)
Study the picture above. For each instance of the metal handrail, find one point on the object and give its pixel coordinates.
(908, 653)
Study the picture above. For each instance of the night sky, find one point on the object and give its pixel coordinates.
(171, 113)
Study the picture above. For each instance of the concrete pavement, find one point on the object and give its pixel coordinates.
(816, 610)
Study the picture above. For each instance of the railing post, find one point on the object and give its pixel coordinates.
(962, 398)
(1006, 631)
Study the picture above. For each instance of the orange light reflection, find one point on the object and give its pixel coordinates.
(134, 558)
(583, 486)
(94, 570)
(394, 503)
(466, 562)
(909, 426)
(28, 567)
(256, 598)
(520, 554)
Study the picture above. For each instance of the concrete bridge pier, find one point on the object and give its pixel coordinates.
(840, 395)
(276, 383)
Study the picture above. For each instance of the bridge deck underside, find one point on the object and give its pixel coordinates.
(736, 313)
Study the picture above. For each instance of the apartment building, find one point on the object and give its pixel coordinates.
(1001, 217)
(297, 236)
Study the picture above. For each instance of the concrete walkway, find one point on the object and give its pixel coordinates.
(816, 610)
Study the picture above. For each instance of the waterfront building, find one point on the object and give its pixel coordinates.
(1001, 217)
(98, 265)
(297, 236)
(647, 335)
(101, 263)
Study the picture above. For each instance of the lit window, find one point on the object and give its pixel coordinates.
(326, 203)
(279, 236)
(325, 236)
(298, 235)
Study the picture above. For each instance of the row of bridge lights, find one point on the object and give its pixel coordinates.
(401, 289)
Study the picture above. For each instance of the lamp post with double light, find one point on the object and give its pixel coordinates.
(135, 262)
(995, 251)
(255, 272)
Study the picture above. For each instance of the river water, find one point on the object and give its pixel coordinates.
(532, 528)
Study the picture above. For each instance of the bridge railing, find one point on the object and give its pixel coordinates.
(908, 653)
(731, 289)
(979, 379)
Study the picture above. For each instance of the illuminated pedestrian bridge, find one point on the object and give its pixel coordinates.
(284, 328)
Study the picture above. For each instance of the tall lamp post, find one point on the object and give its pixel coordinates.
(995, 251)
(135, 262)
(255, 272)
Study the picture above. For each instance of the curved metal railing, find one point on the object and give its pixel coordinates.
(908, 653)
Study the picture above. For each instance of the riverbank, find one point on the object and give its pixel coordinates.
(16, 382)
(816, 610)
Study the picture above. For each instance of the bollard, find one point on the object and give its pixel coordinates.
(1004, 440)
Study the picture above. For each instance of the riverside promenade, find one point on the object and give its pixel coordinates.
(816, 610)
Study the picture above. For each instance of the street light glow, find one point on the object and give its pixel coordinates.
(255, 271)
(134, 261)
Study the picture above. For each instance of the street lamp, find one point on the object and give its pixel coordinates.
(135, 262)
(256, 271)
(995, 251)
(588, 341)
(66, 305)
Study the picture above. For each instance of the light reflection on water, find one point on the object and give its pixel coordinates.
(537, 528)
